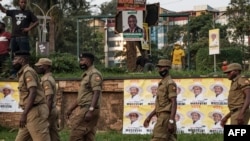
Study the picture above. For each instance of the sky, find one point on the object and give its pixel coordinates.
(173, 5)
(179, 5)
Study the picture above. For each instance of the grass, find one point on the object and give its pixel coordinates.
(10, 134)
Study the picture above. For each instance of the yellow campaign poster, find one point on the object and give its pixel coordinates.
(145, 40)
(214, 41)
(9, 97)
(202, 103)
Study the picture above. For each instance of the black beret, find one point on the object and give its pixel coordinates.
(87, 55)
(22, 53)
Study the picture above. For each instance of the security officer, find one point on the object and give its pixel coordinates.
(239, 96)
(43, 66)
(88, 100)
(34, 119)
(165, 106)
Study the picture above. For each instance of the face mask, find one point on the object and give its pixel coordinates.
(40, 70)
(83, 66)
(163, 73)
(17, 66)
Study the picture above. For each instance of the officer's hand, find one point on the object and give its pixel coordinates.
(88, 116)
(223, 122)
(240, 119)
(146, 122)
(171, 128)
(23, 121)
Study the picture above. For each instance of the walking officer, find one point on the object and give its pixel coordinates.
(88, 100)
(165, 106)
(238, 97)
(33, 124)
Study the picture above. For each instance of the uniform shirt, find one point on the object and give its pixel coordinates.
(49, 85)
(177, 55)
(4, 42)
(236, 96)
(27, 77)
(21, 19)
(166, 90)
(91, 80)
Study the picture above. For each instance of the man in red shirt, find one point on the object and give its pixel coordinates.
(4, 45)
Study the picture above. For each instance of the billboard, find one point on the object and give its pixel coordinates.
(9, 97)
(202, 102)
(214, 41)
(132, 25)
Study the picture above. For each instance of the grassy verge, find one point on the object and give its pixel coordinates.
(9, 135)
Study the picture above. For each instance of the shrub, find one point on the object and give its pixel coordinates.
(205, 62)
(64, 62)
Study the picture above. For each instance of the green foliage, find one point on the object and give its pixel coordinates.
(238, 13)
(64, 63)
(205, 62)
(199, 26)
(174, 33)
(113, 70)
(10, 134)
(5, 72)
(109, 7)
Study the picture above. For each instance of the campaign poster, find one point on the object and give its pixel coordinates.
(201, 104)
(132, 24)
(214, 41)
(145, 40)
(9, 97)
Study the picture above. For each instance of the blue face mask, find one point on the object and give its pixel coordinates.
(163, 73)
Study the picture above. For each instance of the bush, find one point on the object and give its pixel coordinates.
(64, 63)
(205, 62)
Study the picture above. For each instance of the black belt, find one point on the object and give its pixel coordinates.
(87, 106)
(165, 112)
(235, 110)
(34, 105)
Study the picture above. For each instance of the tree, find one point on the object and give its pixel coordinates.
(174, 33)
(238, 13)
(109, 7)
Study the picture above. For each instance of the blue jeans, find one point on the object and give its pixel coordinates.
(17, 44)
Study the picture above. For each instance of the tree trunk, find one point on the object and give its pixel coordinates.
(131, 55)
(52, 35)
